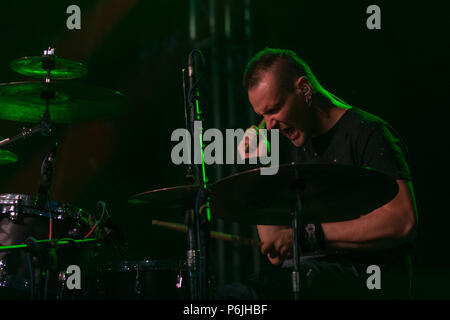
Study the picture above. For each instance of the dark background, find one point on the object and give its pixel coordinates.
(139, 47)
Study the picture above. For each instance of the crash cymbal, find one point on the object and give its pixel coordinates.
(7, 156)
(21, 101)
(330, 193)
(179, 197)
(64, 69)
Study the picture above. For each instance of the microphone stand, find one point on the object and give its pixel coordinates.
(198, 224)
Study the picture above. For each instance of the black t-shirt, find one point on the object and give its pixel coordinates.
(365, 140)
(358, 139)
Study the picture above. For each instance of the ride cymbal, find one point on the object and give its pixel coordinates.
(328, 192)
(22, 101)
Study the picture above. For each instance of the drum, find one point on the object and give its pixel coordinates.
(21, 219)
(144, 279)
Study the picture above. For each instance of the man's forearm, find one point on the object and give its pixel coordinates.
(384, 227)
(356, 234)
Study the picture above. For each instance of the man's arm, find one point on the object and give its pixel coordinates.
(384, 227)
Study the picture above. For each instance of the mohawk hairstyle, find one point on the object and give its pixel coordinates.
(291, 68)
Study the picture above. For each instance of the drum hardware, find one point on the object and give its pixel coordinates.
(38, 66)
(47, 102)
(3, 273)
(43, 251)
(62, 278)
(44, 126)
(52, 243)
(64, 102)
(109, 230)
(143, 279)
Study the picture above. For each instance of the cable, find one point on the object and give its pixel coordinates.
(50, 227)
(47, 172)
(103, 206)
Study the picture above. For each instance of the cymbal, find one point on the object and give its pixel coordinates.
(64, 69)
(329, 193)
(7, 156)
(72, 102)
(179, 197)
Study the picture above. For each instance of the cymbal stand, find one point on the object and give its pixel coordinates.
(44, 126)
(296, 240)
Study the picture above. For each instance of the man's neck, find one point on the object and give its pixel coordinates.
(326, 113)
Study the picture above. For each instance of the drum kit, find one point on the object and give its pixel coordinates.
(40, 237)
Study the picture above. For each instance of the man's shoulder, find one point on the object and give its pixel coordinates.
(360, 119)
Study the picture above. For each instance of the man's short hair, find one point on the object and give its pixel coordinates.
(290, 69)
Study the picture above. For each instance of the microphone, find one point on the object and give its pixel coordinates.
(47, 170)
(192, 73)
(191, 69)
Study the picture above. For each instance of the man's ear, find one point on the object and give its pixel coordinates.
(302, 86)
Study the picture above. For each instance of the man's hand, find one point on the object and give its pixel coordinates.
(254, 144)
(278, 245)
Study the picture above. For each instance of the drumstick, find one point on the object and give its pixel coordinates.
(261, 124)
(214, 234)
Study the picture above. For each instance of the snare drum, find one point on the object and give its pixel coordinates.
(20, 219)
(144, 279)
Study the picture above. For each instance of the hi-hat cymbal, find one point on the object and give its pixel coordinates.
(21, 101)
(330, 193)
(7, 157)
(64, 69)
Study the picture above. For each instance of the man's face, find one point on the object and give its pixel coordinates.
(282, 109)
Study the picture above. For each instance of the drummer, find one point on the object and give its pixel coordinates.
(323, 128)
